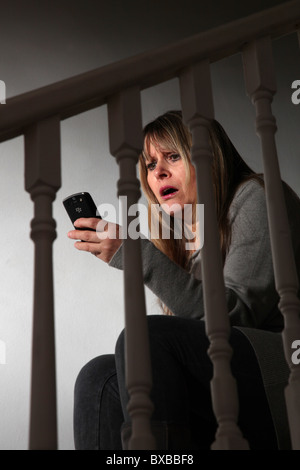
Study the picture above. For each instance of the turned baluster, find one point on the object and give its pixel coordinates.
(197, 106)
(261, 87)
(125, 132)
(42, 180)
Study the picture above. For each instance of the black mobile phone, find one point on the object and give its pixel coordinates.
(81, 205)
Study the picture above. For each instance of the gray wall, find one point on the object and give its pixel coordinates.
(46, 41)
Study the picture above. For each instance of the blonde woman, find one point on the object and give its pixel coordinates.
(183, 417)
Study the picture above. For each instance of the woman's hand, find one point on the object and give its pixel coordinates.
(102, 241)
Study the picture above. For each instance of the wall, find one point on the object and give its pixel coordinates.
(42, 42)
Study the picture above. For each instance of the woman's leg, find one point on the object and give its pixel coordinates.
(98, 413)
(182, 372)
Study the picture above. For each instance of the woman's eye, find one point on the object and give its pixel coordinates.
(174, 157)
(151, 166)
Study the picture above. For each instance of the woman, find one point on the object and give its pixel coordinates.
(181, 367)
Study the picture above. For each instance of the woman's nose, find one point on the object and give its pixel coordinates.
(161, 171)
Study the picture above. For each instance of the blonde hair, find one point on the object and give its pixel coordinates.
(229, 170)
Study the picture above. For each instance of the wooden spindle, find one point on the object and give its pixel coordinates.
(197, 106)
(42, 180)
(261, 86)
(125, 133)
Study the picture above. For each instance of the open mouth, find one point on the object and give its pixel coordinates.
(168, 191)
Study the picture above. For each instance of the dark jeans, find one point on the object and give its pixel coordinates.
(182, 372)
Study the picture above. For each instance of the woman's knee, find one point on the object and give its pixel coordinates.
(93, 374)
(97, 408)
(155, 330)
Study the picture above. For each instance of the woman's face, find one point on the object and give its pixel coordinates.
(166, 177)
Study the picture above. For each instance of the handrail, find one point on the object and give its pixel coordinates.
(89, 90)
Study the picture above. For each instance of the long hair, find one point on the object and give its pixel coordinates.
(229, 170)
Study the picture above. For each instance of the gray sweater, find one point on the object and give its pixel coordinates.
(252, 299)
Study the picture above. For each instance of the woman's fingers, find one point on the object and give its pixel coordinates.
(104, 250)
(93, 248)
(103, 228)
(84, 235)
(102, 239)
(88, 240)
(97, 231)
(88, 222)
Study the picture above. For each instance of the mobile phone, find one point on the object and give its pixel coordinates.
(81, 205)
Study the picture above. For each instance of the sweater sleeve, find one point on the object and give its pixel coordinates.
(178, 289)
(248, 270)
